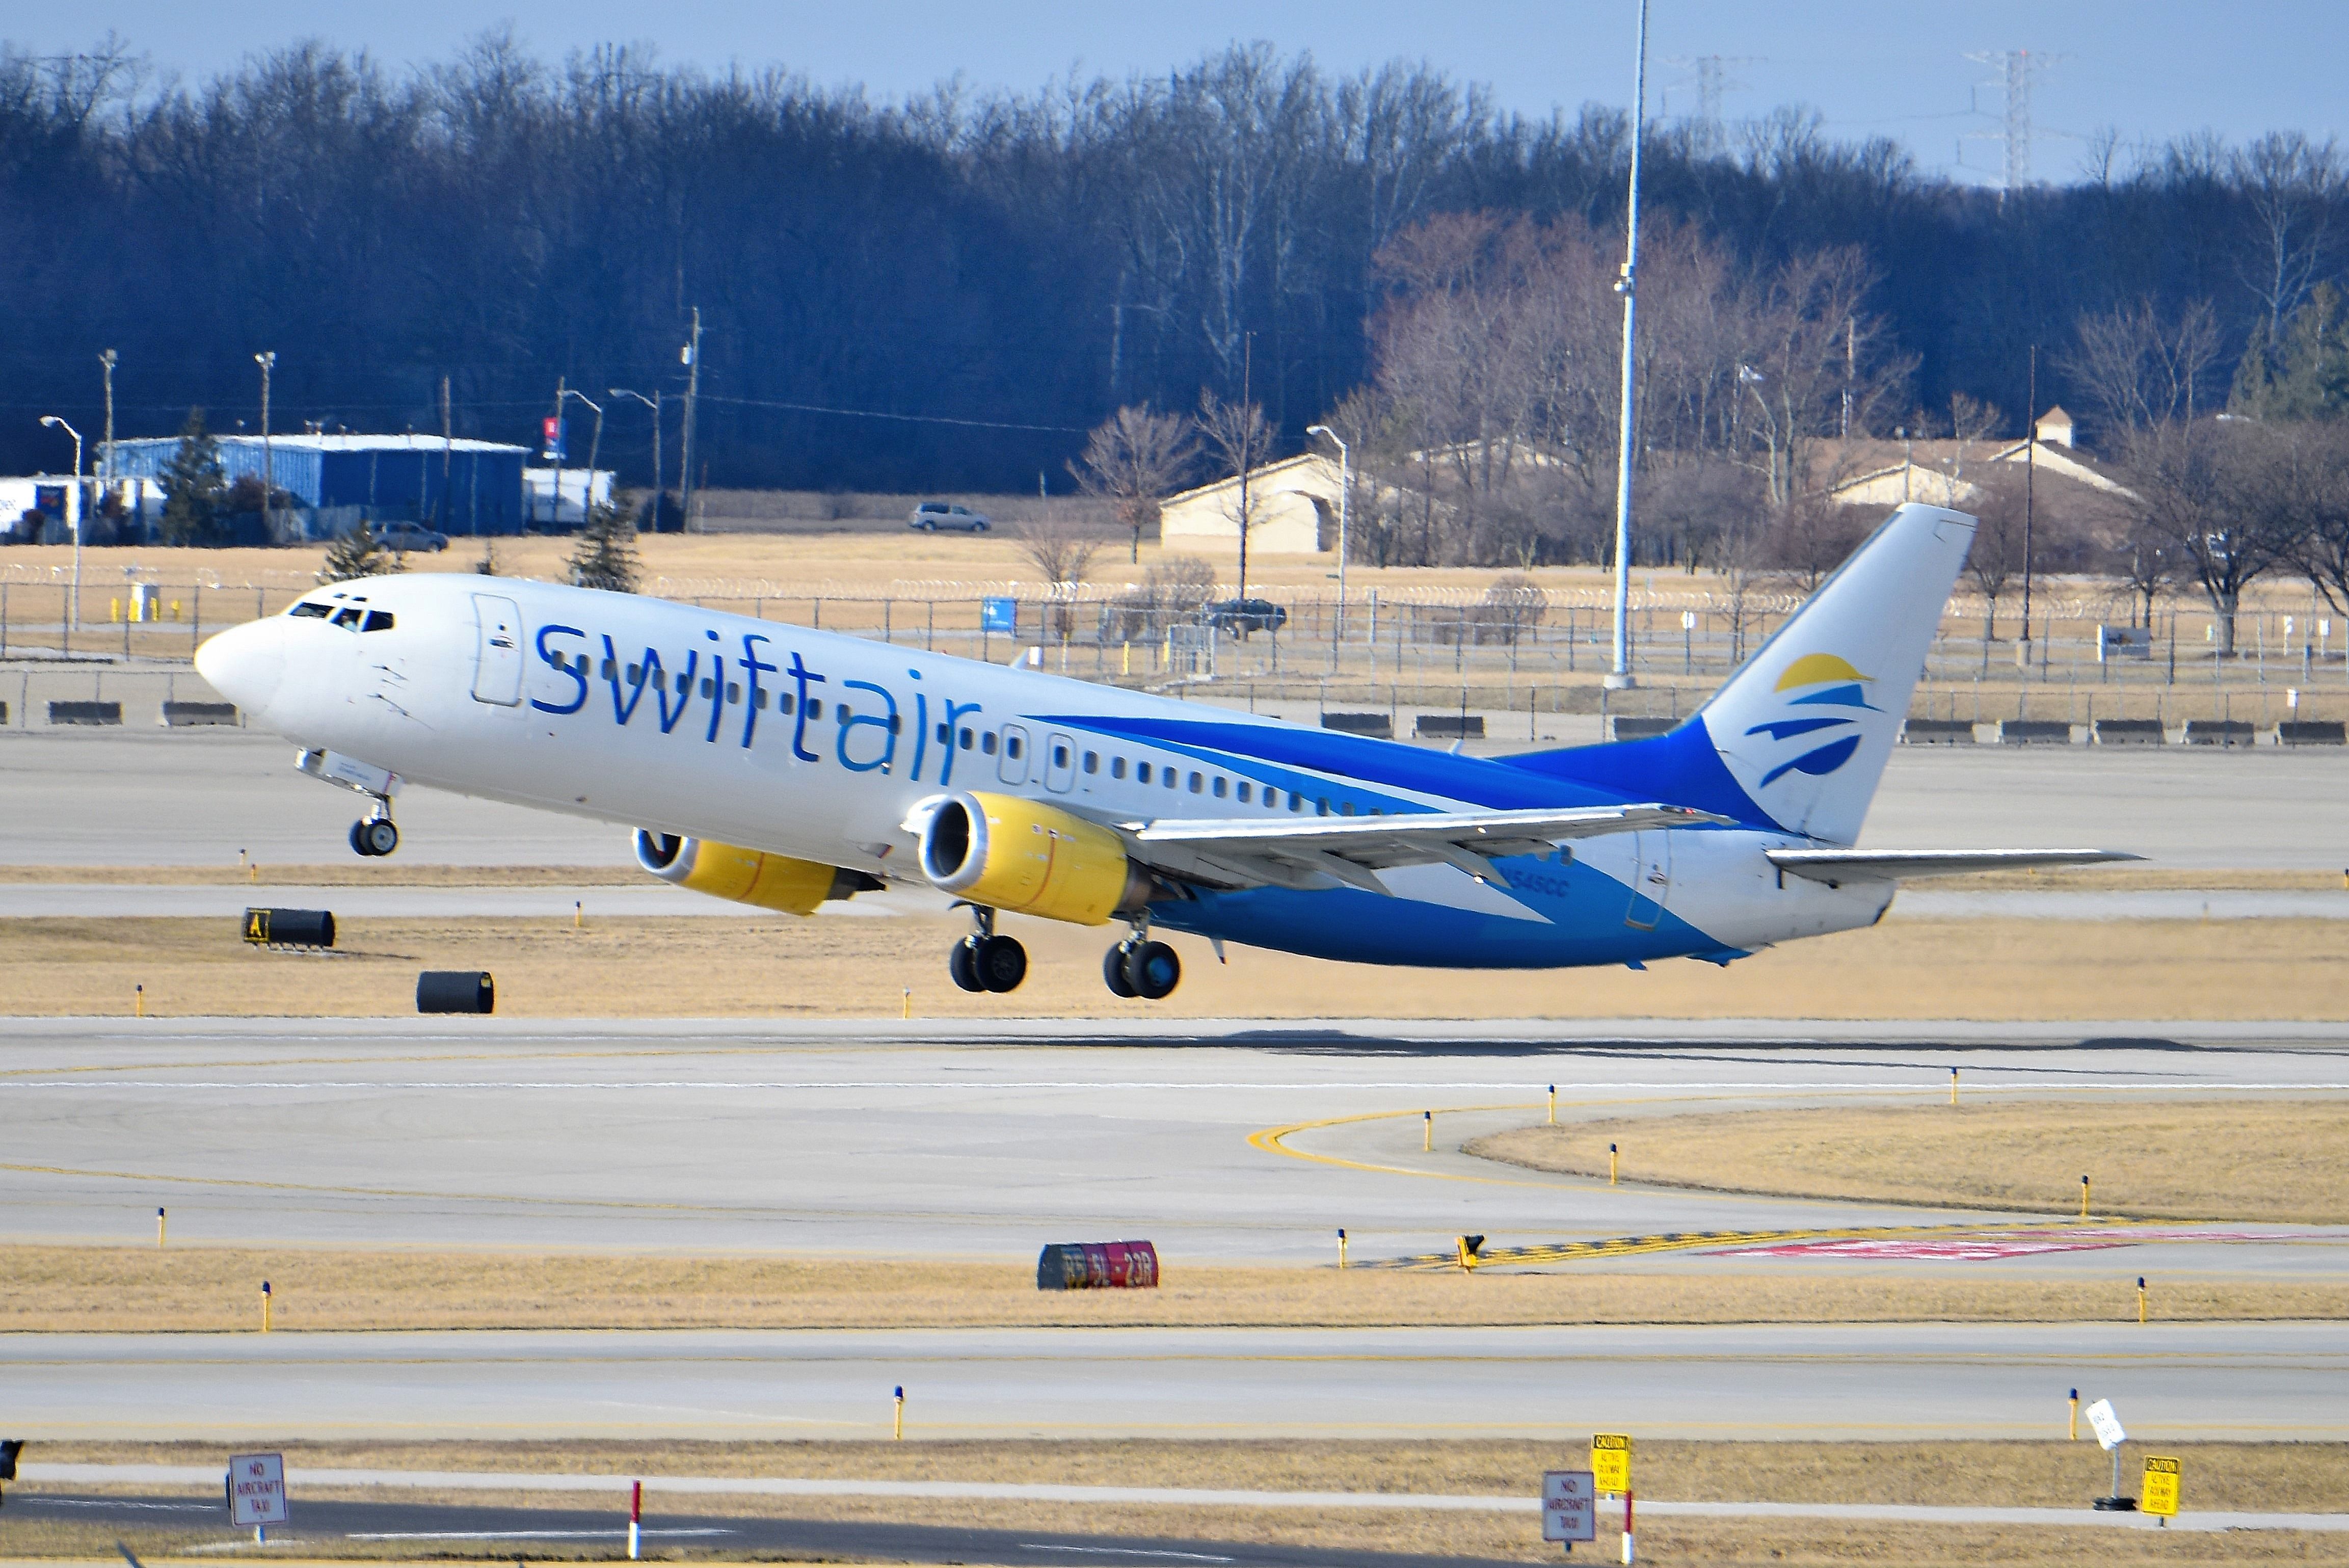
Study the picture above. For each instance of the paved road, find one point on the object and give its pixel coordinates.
(2265, 1381)
(156, 798)
(429, 1529)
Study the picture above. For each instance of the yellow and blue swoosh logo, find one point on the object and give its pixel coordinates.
(1824, 681)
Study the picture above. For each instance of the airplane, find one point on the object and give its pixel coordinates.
(784, 767)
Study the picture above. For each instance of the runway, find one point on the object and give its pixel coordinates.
(196, 797)
(2249, 1382)
(939, 1140)
(1222, 1142)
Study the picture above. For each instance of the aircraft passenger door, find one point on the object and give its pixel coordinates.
(497, 666)
(1011, 762)
(1059, 764)
(1651, 878)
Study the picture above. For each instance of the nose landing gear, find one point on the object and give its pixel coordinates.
(376, 834)
(984, 961)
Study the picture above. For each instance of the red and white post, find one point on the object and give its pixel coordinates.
(637, 1519)
(1627, 1527)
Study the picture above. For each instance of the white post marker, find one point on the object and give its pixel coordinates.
(1570, 1507)
(256, 1492)
(2107, 1423)
(636, 1517)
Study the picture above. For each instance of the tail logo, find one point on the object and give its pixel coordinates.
(1819, 680)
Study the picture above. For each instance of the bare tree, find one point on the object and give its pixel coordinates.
(2137, 368)
(1996, 554)
(1237, 436)
(2205, 490)
(2295, 188)
(2312, 485)
(1132, 460)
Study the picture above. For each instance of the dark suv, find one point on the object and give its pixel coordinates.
(932, 515)
(1242, 616)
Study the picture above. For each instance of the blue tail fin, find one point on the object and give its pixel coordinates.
(1797, 739)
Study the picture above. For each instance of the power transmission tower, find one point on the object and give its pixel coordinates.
(1712, 81)
(2016, 70)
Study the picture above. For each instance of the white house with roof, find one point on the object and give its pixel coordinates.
(1933, 472)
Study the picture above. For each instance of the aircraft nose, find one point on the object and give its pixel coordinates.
(246, 663)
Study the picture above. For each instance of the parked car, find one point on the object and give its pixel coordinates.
(1242, 616)
(932, 515)
(405, 537)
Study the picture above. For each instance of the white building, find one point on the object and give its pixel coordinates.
(1294, 501)
(548, 509)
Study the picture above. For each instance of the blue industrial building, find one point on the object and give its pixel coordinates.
(340, 481)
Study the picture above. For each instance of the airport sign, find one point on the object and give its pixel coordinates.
(1610, 1461)
(2161, 1486)
(1570, 1507)
(256, 1489)
(2107, 1423)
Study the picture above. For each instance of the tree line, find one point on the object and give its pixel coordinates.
(1325, 246)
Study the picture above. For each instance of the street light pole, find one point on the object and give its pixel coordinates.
(105, 448)
(1345, 496)
(653, 403)
(80, 508)
(595, 444)
(1619, 675)
(268, 362)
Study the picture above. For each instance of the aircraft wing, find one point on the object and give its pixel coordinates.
(1836, 866)
(1316, 852)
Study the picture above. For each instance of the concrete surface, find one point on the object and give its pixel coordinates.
(149, 798)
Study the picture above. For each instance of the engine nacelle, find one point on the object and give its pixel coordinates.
(746, 875)
(1023, 854)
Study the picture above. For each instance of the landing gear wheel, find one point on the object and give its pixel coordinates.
(1001, 962)
(1113, 970)
(380, 835)
(962, 964)
(1153, 970)
(359, 842)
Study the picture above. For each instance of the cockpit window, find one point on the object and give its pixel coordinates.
(311, 609)
(348, 618)
(378, 620)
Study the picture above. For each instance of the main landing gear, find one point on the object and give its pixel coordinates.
(986, 962)
(375, 833)
(1140, 967)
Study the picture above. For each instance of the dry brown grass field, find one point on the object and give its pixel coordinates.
(849, 966)
(2274, 1160)
(2056, 1474)
(183, 1289)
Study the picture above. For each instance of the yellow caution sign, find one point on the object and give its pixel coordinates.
(2161, 1486)
(1610, 1462)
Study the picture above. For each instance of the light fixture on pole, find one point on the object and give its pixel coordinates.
(1345, 499)
(268, 362)
(653, 403)
(595, 444)
(80, 506)
(1619, 675)
(106, 446)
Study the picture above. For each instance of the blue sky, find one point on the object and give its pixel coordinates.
(2150, 70)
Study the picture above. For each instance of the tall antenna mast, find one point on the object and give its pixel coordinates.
(1620, 677)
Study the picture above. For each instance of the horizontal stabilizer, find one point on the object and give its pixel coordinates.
(1352, 850)
(1836, 866)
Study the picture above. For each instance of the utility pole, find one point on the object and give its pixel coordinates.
(1345, 499)
(1248, 454)
(594, 445)
(1620, 677)
(562, 450)
(106, 450)
(1851, 370)
(691, 355)
(447, 443)
(268, 362)
(2030, 472)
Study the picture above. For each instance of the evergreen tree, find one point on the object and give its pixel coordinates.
(359, 553)
(2306, 376)
(193, 489)
(605, 555)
